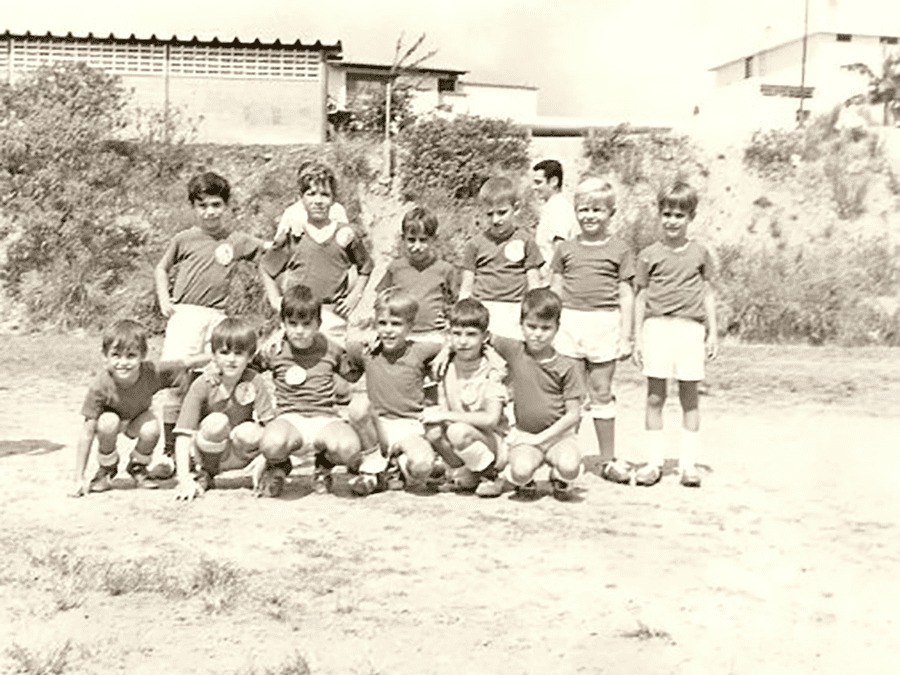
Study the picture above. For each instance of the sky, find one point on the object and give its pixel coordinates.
(617, 60)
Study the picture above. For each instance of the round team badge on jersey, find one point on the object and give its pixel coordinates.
(344, 236)
(245, 393)
(224, 254)
(515, 250)
(295, 375)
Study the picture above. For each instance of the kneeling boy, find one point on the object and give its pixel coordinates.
(463, 428)
(303, 364)
(547, 393)
(220, 422)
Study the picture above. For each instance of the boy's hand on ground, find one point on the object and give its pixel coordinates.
(187, 490)
(81, 488)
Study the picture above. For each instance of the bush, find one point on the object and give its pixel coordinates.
(367, 108)
(641, 158)
(455, 156)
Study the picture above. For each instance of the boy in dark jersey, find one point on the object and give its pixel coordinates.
(675, 329)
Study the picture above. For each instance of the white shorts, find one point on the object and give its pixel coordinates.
(674, 347)
(589, 334)
(506, 318)
(188, 331)
(309, 426)
(393, 431)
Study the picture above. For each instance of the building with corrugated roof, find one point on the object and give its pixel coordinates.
(245, 92)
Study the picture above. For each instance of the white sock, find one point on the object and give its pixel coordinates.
(689, 447)
(656, 442)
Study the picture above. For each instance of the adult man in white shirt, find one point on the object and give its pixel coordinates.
(557, 221)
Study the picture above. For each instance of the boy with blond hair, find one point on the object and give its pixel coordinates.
(118, 401)
(675, 324)
(388, 418)
(592, 273)
(501, 263)
(204, 259)
(547, 394)
(466, 426)
(422, 275)
(303, 363)
(320, 256)
(221, 420)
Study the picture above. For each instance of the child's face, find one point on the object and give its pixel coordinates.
(318, 200)
(674, 223)
(543, 186)
(498, 217)
(210, 210)
(124, 364)
(300, 333)
(593, 216)
(466, 342)
(392, 330)
(538, 333)
(419, 247)
(231, 363)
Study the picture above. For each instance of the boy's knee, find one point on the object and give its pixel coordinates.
(433, 434)
(149, 431)
(342, 447)
(568, 467)
(274, 442)
(521, 469)
(213, 434)
(460, 435)
(656, 399)
(247, 435)
(108, 424)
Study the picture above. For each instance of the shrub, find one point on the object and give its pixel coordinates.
(367, 107)
(455, 156)
(638, 157)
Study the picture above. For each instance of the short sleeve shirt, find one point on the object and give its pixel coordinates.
(249, 400)
(394, 381)
(432, 285)
(304, 378)
(557, 221)
(541, 388)
(294, 219)
(324, 265)
(674, 279)
(471, 393)
(500, 266)
(105, 395)
(591, 272)
(204, 264)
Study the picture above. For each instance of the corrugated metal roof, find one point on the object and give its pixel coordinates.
(174, 39)
(383, 68)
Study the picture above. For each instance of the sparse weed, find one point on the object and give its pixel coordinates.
(51, 661)
(645, 632)
(293, 665)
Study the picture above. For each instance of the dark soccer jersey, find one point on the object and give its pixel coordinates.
(500, 266)
(204, 264)
(433, 287)
(248, 399)
(395, 381)
(540, 388)
(674, 279)
(591, 273)
(105, 395)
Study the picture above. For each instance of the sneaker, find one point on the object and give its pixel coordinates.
(648, 475)
(323, 482)
(690, 478)
(527, 491)
(393, 477)
(615, 472)
(271, 484)
(366, 483)
(141, 477)
(204, 480)
(488, 488)
(102, 480)
(562, 490)
(164, 469)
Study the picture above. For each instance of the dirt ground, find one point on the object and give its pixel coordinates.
(785, 561)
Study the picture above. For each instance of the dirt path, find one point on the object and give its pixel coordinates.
(785, 561)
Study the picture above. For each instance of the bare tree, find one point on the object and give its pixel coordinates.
(883, 87)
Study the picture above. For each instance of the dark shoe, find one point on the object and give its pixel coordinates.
(367, 483)
(690, 478)
(141, 477)
(102, 480)
(527, 491)
(204, 480)
(562, 490)
(271, 484)
(615, 472)
(488, 488)
(648, 475)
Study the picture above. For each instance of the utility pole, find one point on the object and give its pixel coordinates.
(800, 111)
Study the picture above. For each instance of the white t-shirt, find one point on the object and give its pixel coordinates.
(294, 219)
(557, 222)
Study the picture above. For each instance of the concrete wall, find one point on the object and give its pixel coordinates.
(487, 100)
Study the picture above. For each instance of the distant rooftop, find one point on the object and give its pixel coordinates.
(383, 68)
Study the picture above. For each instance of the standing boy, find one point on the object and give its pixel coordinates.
(387, 420)
(295, 218)
(221, 420)
(675, 323)
(303, 364)
(557, 221)
(501, 263)
(592, 273)
(118, 402)
(465, 427)
(204, 258)
(320, 256)
(547, 393)
(422, 275)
